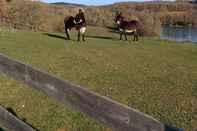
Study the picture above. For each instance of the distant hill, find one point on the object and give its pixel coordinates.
(67, 4)
(82, 5)
(151, 15)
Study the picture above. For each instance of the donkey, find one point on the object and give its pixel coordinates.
(127, 27)
(72, 22)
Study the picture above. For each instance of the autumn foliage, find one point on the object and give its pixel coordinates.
(37, 16)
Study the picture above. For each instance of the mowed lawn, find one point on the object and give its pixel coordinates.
(154, 76)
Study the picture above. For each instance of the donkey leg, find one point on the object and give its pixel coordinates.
(83, 37)
(79, 35)
(137, 37)
(67, 34)
(125, 35)
(134, 37)
(82, 31)
(121, 36)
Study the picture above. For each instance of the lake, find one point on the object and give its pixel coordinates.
(180, 34)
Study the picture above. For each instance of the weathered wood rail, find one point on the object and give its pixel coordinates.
(12, 122)
(112, 114)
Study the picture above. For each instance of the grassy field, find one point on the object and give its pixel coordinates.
(154, 76)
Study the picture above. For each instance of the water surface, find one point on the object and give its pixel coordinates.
(180, 34)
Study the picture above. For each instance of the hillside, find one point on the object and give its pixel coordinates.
(3, 9)
(68, 4)
(151, 15)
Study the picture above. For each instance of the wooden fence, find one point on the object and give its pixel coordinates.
(12, 122)
(112, 114)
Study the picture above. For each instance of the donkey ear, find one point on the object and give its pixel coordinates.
(117, 13)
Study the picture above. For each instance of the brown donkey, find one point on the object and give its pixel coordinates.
(127, 27)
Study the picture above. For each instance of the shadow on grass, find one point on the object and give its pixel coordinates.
(87, 36)
(11, 111)
(101, 37)
(23, 119)
(1, 129)
(170, 128)
(113, 29)
(55, 36)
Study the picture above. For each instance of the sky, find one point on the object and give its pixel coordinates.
(91, 2)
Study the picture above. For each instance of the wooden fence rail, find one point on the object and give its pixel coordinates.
(114, 115)
(12, 122)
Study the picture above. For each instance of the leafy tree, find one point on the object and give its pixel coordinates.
(24, 14)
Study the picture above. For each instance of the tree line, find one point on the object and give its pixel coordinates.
(37, 16)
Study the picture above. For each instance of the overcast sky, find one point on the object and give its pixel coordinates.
(92, 2)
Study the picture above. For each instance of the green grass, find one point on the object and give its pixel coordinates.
(154, 76)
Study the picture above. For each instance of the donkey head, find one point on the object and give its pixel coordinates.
(119, 18)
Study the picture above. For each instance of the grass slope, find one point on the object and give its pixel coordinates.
(154, 76)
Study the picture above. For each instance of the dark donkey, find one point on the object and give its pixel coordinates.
(127, 27)
(69, 24)
(78, 23)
